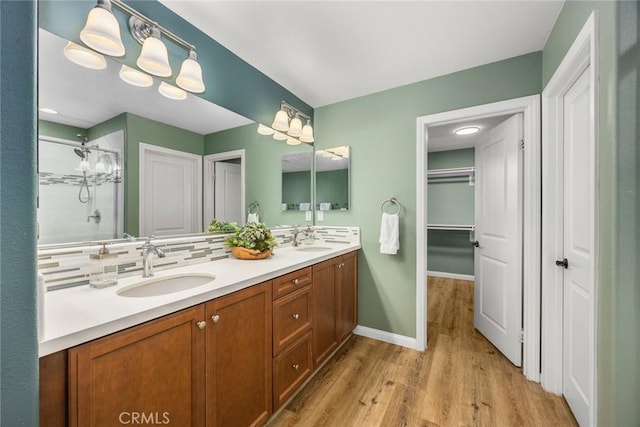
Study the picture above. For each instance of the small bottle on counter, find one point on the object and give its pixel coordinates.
(104, 268)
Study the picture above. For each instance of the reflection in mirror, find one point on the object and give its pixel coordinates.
(332, 178)
(296, 182)
(115, 117)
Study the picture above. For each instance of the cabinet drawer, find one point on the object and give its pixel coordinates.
(291, 318)
(291, 369)
(291, 282)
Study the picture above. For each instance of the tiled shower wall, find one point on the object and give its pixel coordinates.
(69, 266)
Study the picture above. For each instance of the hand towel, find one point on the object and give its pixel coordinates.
(305, 206)
(325, 206)
(389, 234)
(253, 217)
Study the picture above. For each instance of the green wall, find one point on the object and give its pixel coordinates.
(450, 201)
(263, 159)
(381, 131)
(57, 130)
(333, 187)
(296, 187)
(18, 183)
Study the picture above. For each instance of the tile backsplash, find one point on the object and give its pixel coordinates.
(69, 266)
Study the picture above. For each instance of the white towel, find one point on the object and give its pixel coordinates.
(325, 206)
(253, 217)
(389, 234)
(305, 206)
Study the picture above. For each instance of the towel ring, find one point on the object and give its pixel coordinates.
(253, 207)
(393, 201)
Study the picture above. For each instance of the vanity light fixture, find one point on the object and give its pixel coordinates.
(84, 57)
(102, 33)
(287, 125)
(171, 91)
(47, 110)
(468, 130)
(135, 77)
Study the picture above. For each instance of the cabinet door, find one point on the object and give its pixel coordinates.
(324, 310)
(347, 295)
(152, 372)
(239, 365)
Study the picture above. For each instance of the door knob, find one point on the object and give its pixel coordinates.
(202, 324)
(215, 318)
(295, 281)
(476, 244)
(564, 263)
(296, 316)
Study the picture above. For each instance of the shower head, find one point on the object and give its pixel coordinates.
(79, 152)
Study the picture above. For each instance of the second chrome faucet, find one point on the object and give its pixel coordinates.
(148, 249)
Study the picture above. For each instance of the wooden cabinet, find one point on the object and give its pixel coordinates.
(347, 295)
(155, 370)
(291, 318)
(291, 368)
(239, 365)
(335, 299)
(53, 390)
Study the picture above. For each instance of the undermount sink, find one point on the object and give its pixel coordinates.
(312, 248)
(166, 285)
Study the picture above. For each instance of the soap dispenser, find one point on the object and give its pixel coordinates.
(104, 268)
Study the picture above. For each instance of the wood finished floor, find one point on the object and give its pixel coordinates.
(461, 380)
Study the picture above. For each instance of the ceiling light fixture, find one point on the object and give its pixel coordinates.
(102, 33)
(468, 130)
(47, 110)
(84, 57)
(135, 77)
(287, 125)
(171, 91)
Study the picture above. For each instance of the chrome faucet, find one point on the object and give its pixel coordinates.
(148, 249)
(297, 231)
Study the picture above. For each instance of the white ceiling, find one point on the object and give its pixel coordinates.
(330, 51)
(84, 97)
(443, 137)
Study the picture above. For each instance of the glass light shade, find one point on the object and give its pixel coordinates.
(293, 141)
(307, 133)
(84, 57)
(278, 136)
(84, 166)
(295, 127)
(154, 58)
(190, 76)
(99, 167)
(135, 77)
(172, 92)
(281, 122)
(264, 130)
(102, 32)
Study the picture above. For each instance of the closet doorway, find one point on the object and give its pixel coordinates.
(493, 235)
(224, 187)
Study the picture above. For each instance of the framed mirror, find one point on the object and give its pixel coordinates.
(296, 182)
(332, 179)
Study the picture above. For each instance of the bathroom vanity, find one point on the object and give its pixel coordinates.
(229, 352)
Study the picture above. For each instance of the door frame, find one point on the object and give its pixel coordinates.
(144, 149)
(209, 184)
(583, 52)
(529, 106)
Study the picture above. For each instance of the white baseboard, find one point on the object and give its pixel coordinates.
(389, 337)
(451, 275)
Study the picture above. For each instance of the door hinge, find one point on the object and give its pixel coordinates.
(521, 336)
(522, 144)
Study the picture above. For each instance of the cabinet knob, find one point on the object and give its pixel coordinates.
(295, 366)
(202, 324)
(295, 281)
(215, 318)
(296, 316)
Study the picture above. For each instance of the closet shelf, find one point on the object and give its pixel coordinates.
(452, 172)
(458, 227)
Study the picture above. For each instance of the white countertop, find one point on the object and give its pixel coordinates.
(77, 315)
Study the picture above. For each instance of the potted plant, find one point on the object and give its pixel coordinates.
(251, 241)
(216, 226)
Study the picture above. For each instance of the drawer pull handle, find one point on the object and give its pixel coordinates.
(202, 324)
(295, 281)
(296, 366)
(215, 318)
(296, 316)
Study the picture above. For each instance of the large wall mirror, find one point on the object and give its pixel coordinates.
(296, 182)
(332, 180)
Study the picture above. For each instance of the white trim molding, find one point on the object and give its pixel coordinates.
(530, 107)
(583, 53)
(389, 337)
(208, 196)
(446, 275)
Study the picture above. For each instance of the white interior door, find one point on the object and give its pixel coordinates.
(170, 191)
(228, 185)
(498, 255)
(578, 248)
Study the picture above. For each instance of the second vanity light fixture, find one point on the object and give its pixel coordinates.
(287, 125)
(102, 34)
